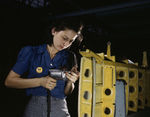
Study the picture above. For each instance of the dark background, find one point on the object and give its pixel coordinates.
(125, 23)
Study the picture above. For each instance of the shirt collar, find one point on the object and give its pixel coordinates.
(40, 49)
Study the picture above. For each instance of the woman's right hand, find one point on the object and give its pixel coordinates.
(48, 82)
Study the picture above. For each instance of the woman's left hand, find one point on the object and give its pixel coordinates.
(72, 76)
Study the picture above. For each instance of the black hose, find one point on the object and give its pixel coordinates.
(48, 103)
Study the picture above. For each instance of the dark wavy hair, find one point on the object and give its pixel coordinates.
(71, 23)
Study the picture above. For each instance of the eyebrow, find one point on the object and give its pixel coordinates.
(68, 38)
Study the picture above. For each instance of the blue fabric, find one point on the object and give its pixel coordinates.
(31, 57)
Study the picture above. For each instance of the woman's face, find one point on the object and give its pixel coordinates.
(63, 39)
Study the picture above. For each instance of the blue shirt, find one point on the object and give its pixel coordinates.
(30, 58)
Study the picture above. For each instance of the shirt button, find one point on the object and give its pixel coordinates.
(51, 64)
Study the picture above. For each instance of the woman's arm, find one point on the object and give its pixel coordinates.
(72, 78)
(69, 88)
(14, 80)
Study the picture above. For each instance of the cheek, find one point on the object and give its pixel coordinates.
(56, 40)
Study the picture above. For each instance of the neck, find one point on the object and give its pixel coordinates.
(52, 51)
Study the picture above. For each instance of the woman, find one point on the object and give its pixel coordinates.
(37, 61)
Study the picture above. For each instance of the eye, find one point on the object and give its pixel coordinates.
(65, 39)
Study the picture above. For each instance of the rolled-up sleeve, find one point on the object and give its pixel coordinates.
(23, 60)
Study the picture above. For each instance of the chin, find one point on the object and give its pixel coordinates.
(59, 49)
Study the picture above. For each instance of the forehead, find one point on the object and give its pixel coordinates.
(68, 33)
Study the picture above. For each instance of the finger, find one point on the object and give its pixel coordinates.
(68, 75)
(78, 73)
(53, 80)
(72, 74)
(50, 87)
(53, 84)
(74, 69)
(72, 78)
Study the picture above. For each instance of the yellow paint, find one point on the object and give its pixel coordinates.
(104, 90)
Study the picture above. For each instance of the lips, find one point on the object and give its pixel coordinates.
(61, 47)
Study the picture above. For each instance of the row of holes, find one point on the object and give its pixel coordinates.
(86, 95)
(131, 74)
(108, 92)
(132, 89)
(121, 74)
(132, 104)
(107, 111)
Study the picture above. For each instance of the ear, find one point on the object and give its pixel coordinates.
(53, 31)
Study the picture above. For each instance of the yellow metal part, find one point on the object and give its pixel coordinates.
(147, 80)
(97, 84)
(108, 91)
(96, 96)
(141, 88)
(127, 61)
(122, 74)
(109, 52)
(88, 53)
(101, 55)
(85, 88)
(133, 89)
(144, 62)
(147, 88)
